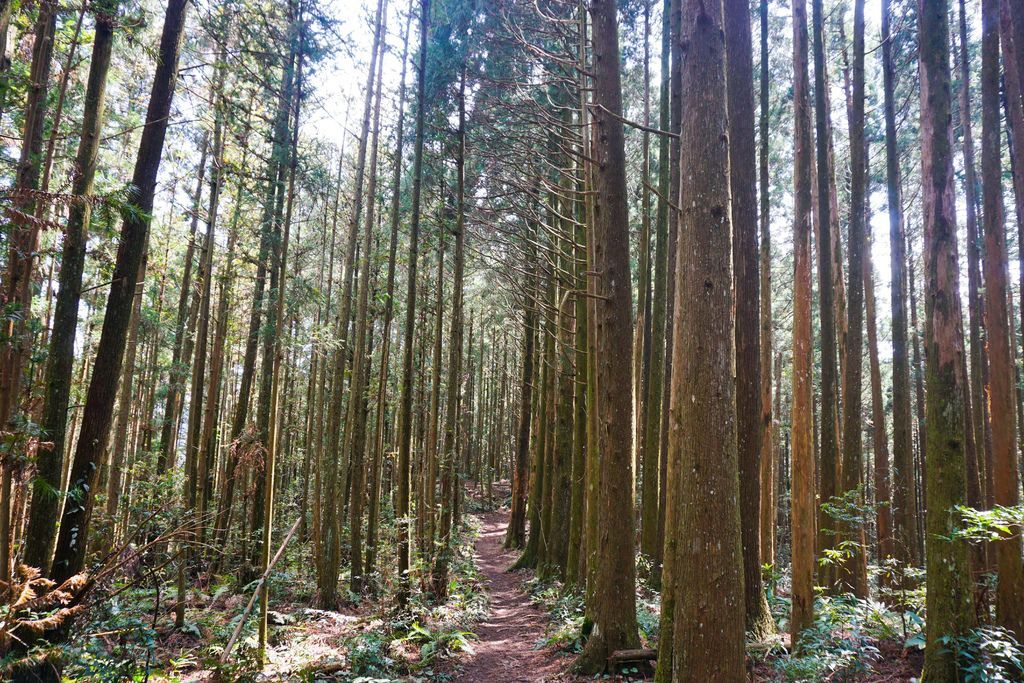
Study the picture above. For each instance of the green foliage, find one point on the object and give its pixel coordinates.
(565, 612)
(987, 655)
(368, 654)
(243, 665)
(901, 584)
(120, 642)
(434, 643)
(842, 643)
(996, 524)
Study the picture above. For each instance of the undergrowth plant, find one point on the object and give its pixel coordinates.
(843, 642)
(987, 654)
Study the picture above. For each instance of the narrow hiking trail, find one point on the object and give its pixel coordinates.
(507, 649)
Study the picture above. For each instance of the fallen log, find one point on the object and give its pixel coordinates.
(641, 655)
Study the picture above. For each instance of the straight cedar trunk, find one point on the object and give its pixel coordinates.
(41, 531)
(561, 492)
(614, 609)
(206, 421)
(116, 458)
(828, 459)
(195, 457)
(650, 539)
(585, 209)
(336, 483)
(239, 438)
(575, 570)
(675, 116)
(668, 541)
(647, 460)
(515, 536)
(405, 401)
(212, 408)
(276, 333)
(181, 352)
(324, 366)
(852, 573)
(975, 297)
(748, 391)
(450, 454)
(191, 483)
(767, 473)
(427, 512)
(879, 433)
(999, 333)
(904, 493)
(274, 212)
(949, 589)
(1011, 21)
(585, 260)
(22, 251)
(373, 514)
(917, 473)
(802, 516)
(540, 533)
(69, 558)
(355, 433)
(548, 426)
(532, 550)
(708, 638)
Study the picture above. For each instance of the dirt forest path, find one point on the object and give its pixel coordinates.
(506, 651)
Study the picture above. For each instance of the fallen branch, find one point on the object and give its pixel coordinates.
(256, 592)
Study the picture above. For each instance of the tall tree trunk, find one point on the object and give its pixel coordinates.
(389, 306)
(276, 333)
(450, 454)
(22, 251)
(999, 333)
(668, 541)
(853, 572)
(576, 560)
(748, 409)
(975, 297)
(405, 401)
(42, 530)
(767, 473)
(904, 495)
(948, 579)
(615, 609)
(515, 536)
(428, 511)
(802, 517)
(650, 538)
(1011, 21)
(181, 353)
(675, 116)
(69, 558)
(879, 433)
(708, 641)
(646, 460)
(208, 435)
(828, 457)
(355, 436)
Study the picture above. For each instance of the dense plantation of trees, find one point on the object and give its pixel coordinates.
(344, 340)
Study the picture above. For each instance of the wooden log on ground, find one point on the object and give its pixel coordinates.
(641, 655)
